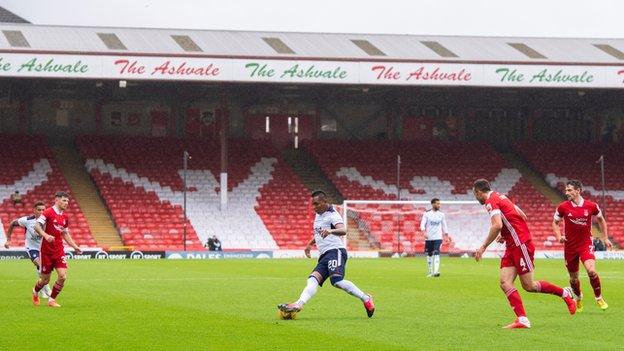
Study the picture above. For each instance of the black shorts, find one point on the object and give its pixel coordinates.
(33, 254)
(433, 246)
(332, 262)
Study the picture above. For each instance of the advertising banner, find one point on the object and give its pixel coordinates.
(217, 255)
(309, 71)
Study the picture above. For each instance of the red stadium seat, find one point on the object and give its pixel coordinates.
(281, 200)
(553, 161)
(456, 163)
(20, 154)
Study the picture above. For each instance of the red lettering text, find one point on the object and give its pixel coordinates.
(437, 74)
(183, 70)
(387, 73)
(129, 67)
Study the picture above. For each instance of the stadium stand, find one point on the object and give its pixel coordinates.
(268, 206)
(31, 169)
(367, 171)
(555, 163)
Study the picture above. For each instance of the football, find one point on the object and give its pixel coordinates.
(286, 315)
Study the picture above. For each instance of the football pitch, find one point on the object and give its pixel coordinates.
(231, 305)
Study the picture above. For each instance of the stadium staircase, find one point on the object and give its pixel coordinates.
(533, 178)
(86, 195)
(313, 179)
(310, 174)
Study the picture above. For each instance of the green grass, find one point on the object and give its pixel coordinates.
(219, 305)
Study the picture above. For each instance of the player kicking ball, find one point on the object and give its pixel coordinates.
(32, 239)
(328, 230)
(509, 221)
(578, 245)
(52, 227)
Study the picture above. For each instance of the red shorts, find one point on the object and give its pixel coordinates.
(572, 256)
(520, 257)
(51, 261)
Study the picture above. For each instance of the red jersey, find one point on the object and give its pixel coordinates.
(577, 221)
(53, 223)
(515, 229)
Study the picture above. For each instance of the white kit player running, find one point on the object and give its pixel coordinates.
(328, 229)
(31, 239)
(433, 224)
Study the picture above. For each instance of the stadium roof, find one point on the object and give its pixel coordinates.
(7, 16)
(319, 46)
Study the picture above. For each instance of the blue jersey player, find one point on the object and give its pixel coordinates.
(328, 231)
(32, 239)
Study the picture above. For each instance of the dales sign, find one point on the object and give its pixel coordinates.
(217, 255)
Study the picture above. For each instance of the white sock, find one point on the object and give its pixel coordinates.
(567, 292)
(436, 264)
(351, 289)
(308, 291)
(430, 264)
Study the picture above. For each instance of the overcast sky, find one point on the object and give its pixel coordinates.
(543, 18)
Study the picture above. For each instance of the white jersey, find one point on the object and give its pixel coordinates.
(32, 239)
(328, 220)
(434, 222)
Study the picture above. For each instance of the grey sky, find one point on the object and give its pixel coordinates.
(542, 18)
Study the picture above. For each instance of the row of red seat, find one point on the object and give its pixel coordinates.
(579, 161)
(458, 163)
(147, 222)
(282, 198)
(19, 154)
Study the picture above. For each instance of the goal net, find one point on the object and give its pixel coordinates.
(395, 225)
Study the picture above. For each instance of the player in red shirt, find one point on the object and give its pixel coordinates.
(508, 224)
(576, 213)
(52, 226)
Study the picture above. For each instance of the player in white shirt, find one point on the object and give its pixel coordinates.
(328, 231)
(433, 224)
(31, 238)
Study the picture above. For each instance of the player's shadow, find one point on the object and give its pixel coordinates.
(328, 318)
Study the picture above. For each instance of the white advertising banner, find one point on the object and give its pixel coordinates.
(164, 68)
(420, 74)
(293, 71)
(309, 71)
(62, 66)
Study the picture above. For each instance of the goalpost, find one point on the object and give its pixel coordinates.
(395, 225)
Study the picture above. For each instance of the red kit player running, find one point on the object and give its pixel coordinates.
(577, 216)
(509, 221)
(52, 226)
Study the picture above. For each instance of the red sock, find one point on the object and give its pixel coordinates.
(576, 286)
(56, 289)
(38, 286)
(547, 288)
(516, 302)
(595, 283)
